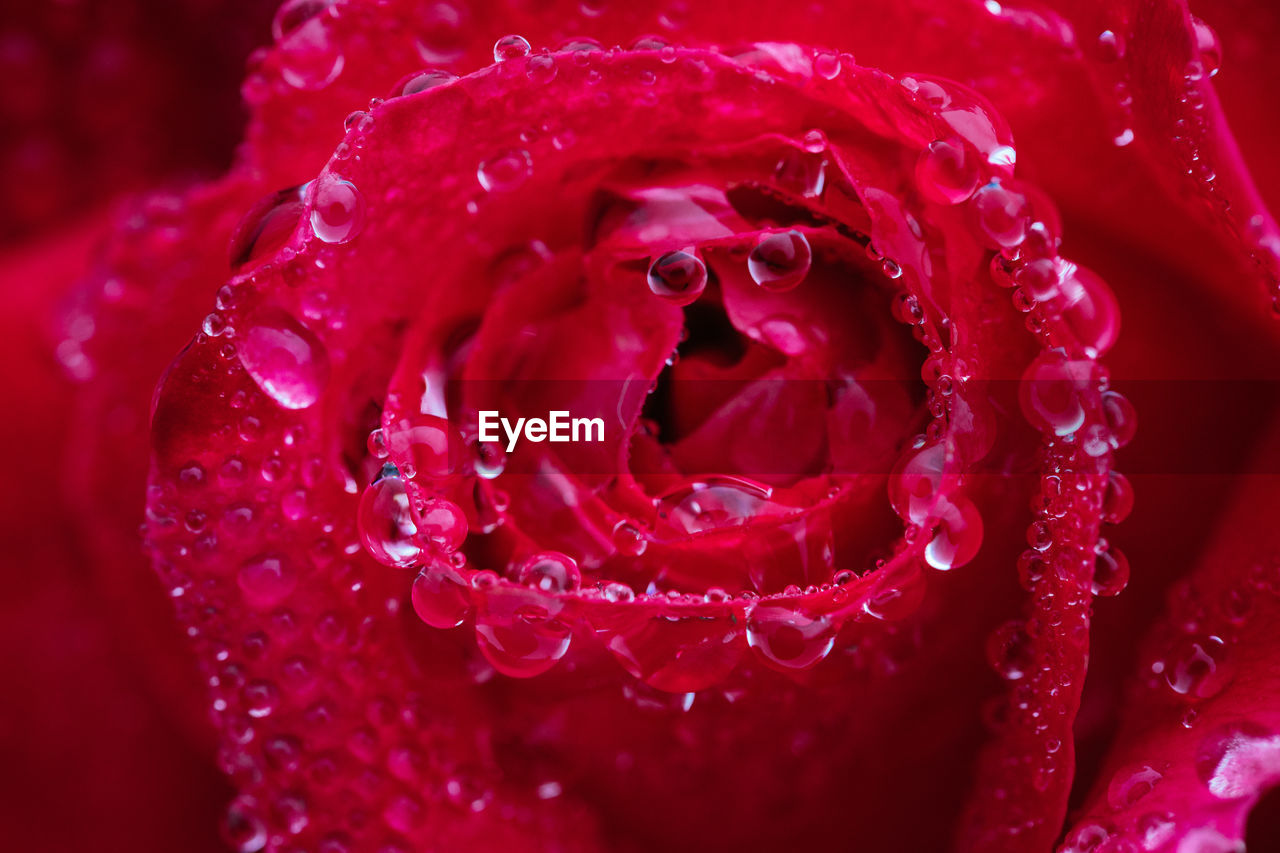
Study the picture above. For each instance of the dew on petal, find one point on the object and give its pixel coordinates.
(266, 581)
(780, 261)
(947, 172)
(442, 522)
(1010, 650)
(510, 47)
(505, 172)
(957, 534)
(678, 277)
(788, 638)
(284, 358)
(267, 225)
(1130, 784)
(422, 81)
(550, 571)
(441, 594)
(1110, 570)
(337, 210)
(1002, 215)
(519, 631)
(386, 521)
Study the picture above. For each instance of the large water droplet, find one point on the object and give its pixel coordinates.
(678, 654)
(510, 47)
(337, 209)
(1110, 571)
(284, 358)
(422, 81)
(947, 171)
(678, 277)
(441, 594)
(788, 638)
(267, 225)
(309, 57)
(780, 261)
(519, 631)
(1196, 666)
(1130, 784)
(1090, 311)
(957, 533)
(1002, 215)
(505, 172)
(1010, 650)
(1117, 499)
(266, 580)
(1052, 389)
(442, 522)
(386, 522)
(711, 505)
(243, 827)
(550, 571)
(918, 482)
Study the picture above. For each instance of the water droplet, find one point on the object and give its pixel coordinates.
(1110, 46)
(441, 36)
(947, 172)
(510, 47)
(266, 580)
(1052, 389)
(441, 522)
(790, 639)
(1090, 311)
(309, 58)
(505, 172)
(1110, 570)
(1121, 418)
(242, 827)
(284, 358)
(1002, 215)
(618, 593)
(519, 632)
(550, 571)
(424, 80)
(678, 277)
(780, 261)
(711, 505)
(1195, 667)
(1130, 784)
(267, 225)
(919, 481)
(628, 539)
(1086, 838)
(386, 522)
(441, 595)
(1010, 650)
(957, 533)
(827, 64)
(814, 141)
(1239, 760)
(337, 209)
(541, 68)
(1117, 500)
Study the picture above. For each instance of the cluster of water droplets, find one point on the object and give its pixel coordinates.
(411, 517)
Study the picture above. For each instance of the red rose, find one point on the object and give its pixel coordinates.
(827, 572)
